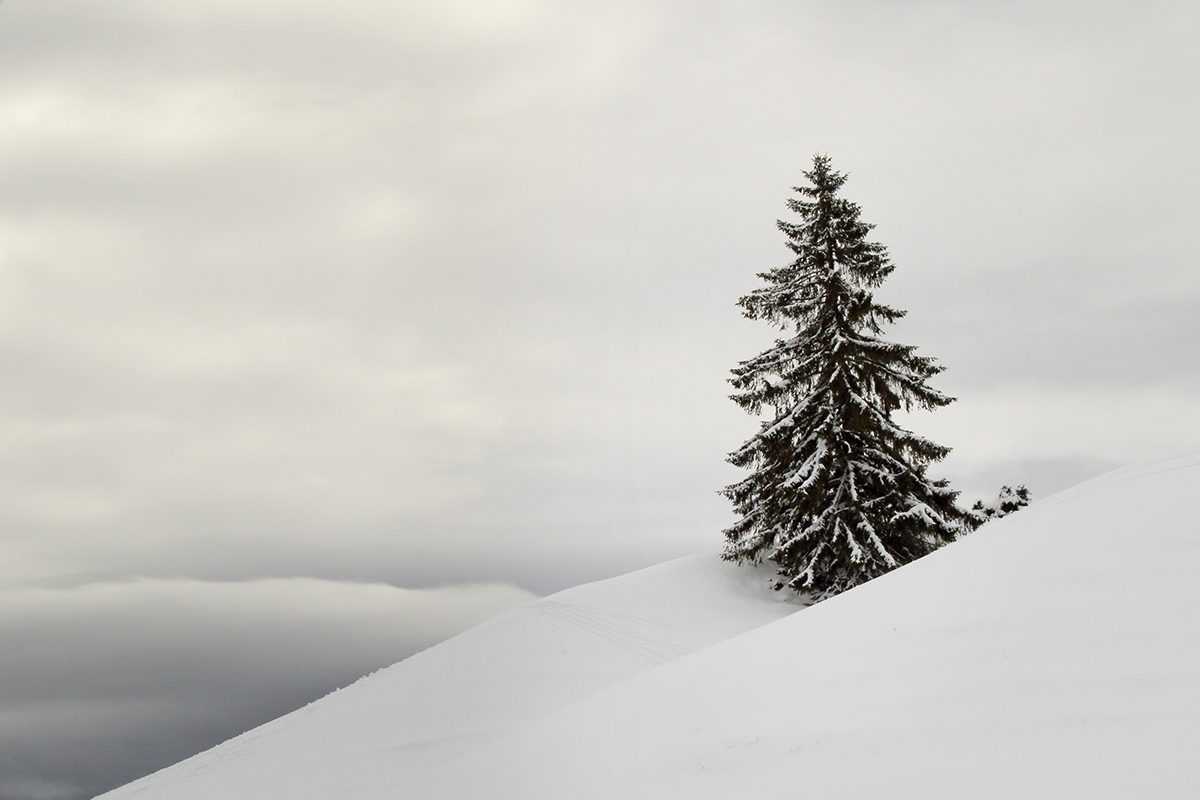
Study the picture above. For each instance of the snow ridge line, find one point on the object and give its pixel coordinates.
(214, 758)
(1131, 472)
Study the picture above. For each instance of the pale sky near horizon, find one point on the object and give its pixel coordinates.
(327, 330)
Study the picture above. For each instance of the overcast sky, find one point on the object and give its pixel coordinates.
(329, 329)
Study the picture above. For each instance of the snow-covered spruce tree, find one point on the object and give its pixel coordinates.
(838, 494)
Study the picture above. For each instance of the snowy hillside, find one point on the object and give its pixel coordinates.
(1051, 654)
(397, 725)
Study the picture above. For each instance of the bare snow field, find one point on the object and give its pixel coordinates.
(1052, 654)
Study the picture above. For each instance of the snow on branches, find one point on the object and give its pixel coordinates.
(837, 492)
(1009, 501)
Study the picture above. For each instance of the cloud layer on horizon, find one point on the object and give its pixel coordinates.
(111, 677)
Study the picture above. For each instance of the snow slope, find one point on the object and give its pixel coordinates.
(401, 722)
(1051, 654)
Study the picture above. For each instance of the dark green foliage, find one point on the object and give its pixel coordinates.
(1010, 500)
(838, 492)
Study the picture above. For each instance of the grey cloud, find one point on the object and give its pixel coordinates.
(211, 340)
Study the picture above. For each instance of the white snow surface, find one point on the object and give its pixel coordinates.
(1051, 654)
(401, 723)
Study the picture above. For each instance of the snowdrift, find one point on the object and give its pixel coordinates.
(1051, 654)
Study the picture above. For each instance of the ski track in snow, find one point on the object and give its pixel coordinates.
(623, 630)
